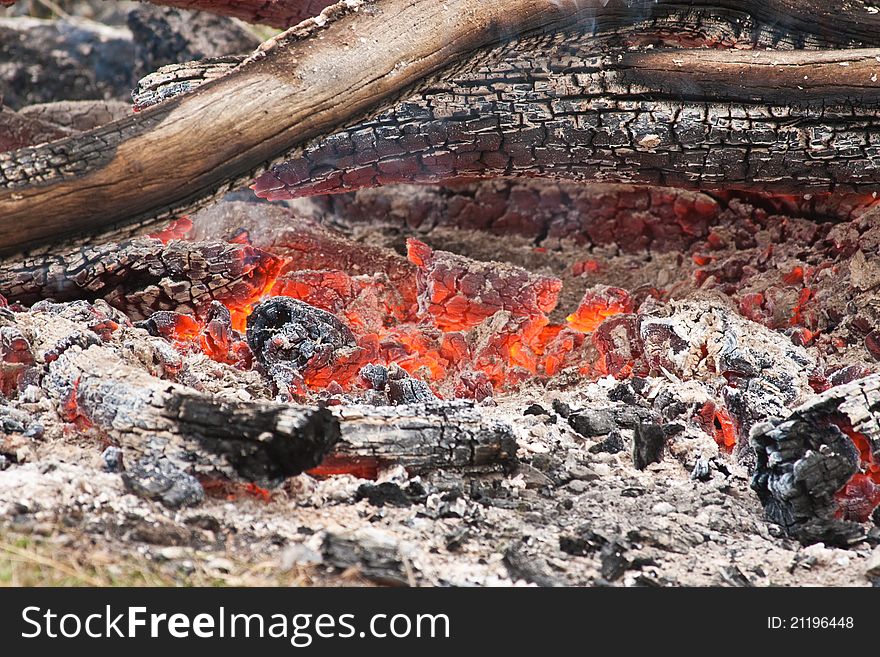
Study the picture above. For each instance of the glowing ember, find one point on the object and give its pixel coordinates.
(717, 422)
(459, 293)
(861, 495)
(599, 303)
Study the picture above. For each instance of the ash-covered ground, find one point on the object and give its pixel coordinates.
(621, 480)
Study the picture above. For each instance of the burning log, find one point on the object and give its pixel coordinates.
(145, 275)
(420, 437)
(817, 470)
(260, 442)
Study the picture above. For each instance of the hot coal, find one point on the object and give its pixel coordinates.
(285, 330)
(815, 469)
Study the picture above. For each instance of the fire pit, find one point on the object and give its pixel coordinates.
(572, 378)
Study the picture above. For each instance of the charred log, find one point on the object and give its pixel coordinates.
(144, 275)
(421, 438)
(817, 469)
(610, 120)
(150, 418)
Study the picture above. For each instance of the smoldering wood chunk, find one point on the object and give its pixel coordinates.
(45, 61)
(165, 35)
(375, 376)
(406, 389)
(259, 440)
(285, 330)
(459, 293)
(376, 555)
(420, 437)
(816, 470)
(303, 243)
(150, 417)
(160, 480)
(78, 115)
(143, 275)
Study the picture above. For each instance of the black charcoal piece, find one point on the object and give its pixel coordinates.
(282, 329)
(648, 443)
(613, 444)
(391, 494)
(112, 457)
(592, 423)
(405, 389)
(160, 480)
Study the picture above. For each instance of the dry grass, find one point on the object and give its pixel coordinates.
(28, 560)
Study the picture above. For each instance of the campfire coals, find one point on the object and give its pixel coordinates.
(285, 330)
(818, 470)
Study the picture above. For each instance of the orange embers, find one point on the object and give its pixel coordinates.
(716, 421)
(259, 272)
(470, 328)
(334, 464)
(861, 495)
(598, 304)
(224, 489)
(176, 230)
(70, 410)
(458, 293)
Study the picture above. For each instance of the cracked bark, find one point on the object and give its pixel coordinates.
(513, 90)
(419, 437)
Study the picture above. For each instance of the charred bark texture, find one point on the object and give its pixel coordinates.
(805, 460)
(421, 438)
(559, 104)
(151, 418)
(143, 275)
